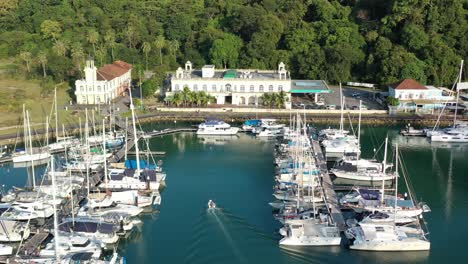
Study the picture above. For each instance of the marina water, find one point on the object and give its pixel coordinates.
(237, 173)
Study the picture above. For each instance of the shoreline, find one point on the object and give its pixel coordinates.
(321, 117)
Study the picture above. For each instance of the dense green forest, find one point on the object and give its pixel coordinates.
(378, 41)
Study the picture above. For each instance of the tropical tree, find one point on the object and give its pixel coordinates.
(60, 48)
(159, 44)
(77, 55)
(109, 39)
(226, 51)
(177, 99)
(93, 37)
(186, 95)
(101, 54)
(42, 59)
(25, 56)
(280, 99)
(146, 47)
(174, 46)
(51, 29)
(392, 101)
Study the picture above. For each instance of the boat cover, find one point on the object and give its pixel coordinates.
(131, 164)
(369, 194)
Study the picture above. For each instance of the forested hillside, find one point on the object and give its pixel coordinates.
(379, 41)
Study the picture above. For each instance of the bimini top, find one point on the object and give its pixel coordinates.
(369, 194)
(253, 122)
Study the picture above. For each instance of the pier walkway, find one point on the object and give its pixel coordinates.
(329, 192)
(32, 245)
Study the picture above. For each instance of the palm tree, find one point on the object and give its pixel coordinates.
(109, 38)
(101, 54)
(26, 57)
(159, 44)
(280, 99)
(42, 58)
(174, 46)
(177, 99)
(77, 55)
(93, 37)
(146, 49)
(60, 48)
(186, 95)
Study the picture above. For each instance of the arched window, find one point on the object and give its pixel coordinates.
(261, 88)
(270, 88)
(213, 87)
(252, 88)
(99, 89)
(82, 88)
(176, 88)
(228, 87)
(242, 88)
(195, 87)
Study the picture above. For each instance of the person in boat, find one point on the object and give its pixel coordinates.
(211, 204)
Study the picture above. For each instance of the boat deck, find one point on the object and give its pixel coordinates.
(32, 245)
(329, 192)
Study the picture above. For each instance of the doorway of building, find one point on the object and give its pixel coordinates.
(228, 99)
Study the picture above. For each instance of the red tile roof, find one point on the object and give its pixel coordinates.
(408, 84)
(111, 71)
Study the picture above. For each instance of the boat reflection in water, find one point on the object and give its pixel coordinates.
(217, 140)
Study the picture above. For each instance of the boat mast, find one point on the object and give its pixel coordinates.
(104, 150)
(72, 198)
(396, 182)
(458, 94)
(54, 191)
(47, 130)
(86, 160)
(383, 169)
(56, 115)
(137, 151)
(31, 152)
(359, 127)
(126, 137)
(342, 109)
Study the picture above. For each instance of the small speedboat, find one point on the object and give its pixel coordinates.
(211, 204)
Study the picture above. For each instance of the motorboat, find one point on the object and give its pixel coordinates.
(251, 124)
(217, 128)
(106, 232)
(372, 237)
(70, 244)
(362, 170)
(412, 132)
(113, 208)
(310, 232)
(7, 212)
(211, 204)
(125, 179)
(41, 209)
(13, 231)
(339, 147)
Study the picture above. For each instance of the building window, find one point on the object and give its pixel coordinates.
(213, 87)
(205, 88)
(261, 88)
(228, 87)
(81, 88)
(84, 99)
(270, 88)
(195, 87)
(99, 89)
(90, 88)
(98, 99)
(176, 88)
(280, 88)
(252, 88)
(242, 88)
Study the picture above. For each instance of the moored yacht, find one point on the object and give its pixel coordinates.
(216, 128)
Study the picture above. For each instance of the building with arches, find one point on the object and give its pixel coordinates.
(101, 86)
(233, 86)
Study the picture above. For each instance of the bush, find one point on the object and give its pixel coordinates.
(392, 101)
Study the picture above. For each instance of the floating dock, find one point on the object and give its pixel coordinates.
(329, 192)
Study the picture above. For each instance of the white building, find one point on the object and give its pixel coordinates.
(413, 95)
(101, 86)
(237, 87)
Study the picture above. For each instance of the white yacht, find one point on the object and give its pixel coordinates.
(113, 208)
(455, 134)
(339, 147)
(310, 232)
(216, 128)
(70, 243)
(41, 209)
(124, 179)
(361, 170)
(90, 228)
(6, 250)
(13, 231)
(372, 237)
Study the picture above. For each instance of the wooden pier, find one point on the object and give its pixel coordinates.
(329, 192)
(32, 245)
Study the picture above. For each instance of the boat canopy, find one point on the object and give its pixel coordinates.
(253, 122)
(369, 194)
(131, 164)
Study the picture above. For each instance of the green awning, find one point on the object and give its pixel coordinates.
(230, 74)
(310, 91)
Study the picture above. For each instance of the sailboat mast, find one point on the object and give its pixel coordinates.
(458, 94)
(72, 198)
(86, 160)
(126, 137)
(359, 126)
(396, 182)
(31, 151)
(54, 191)
(137, 151)
(383, 169)
(342, 109)
(47, 130)
(104, 150)
(56, 115)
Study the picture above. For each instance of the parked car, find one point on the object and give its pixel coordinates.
(320, 103)
(331, 107)
(355, 94)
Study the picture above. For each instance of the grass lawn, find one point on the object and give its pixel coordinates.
(14, 93)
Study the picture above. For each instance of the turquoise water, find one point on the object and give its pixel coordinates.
(238, 172)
